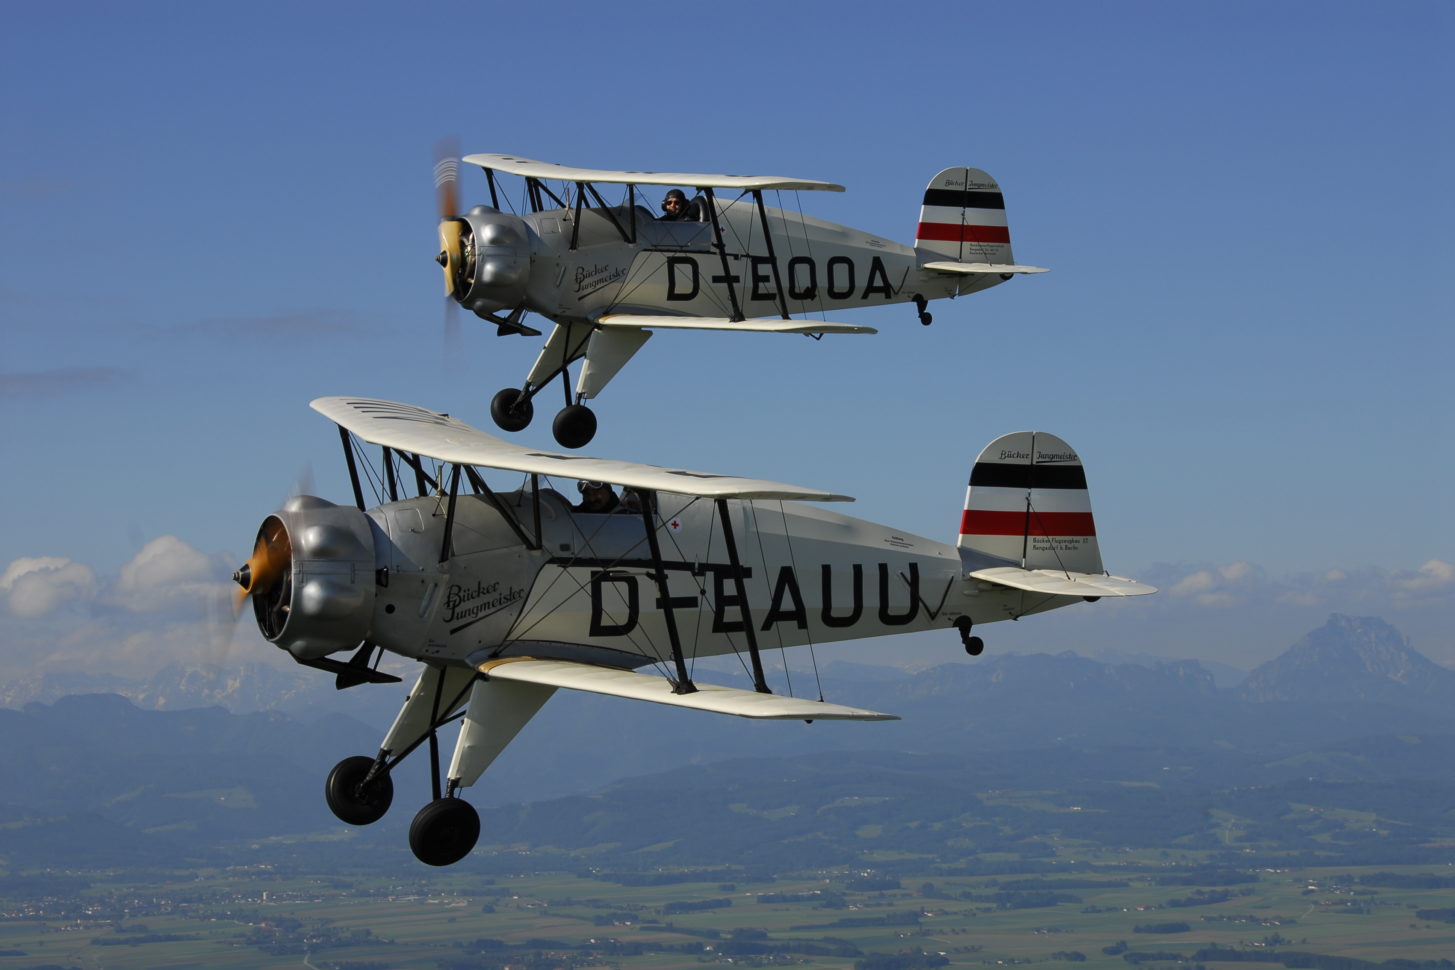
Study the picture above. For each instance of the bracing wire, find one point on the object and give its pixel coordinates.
(807, 627)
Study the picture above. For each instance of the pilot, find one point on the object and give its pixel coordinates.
(598, 497)
(676, 208)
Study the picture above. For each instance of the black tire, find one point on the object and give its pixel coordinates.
(574, 426)
(352, 803)
(974, 646)
(511, 409)
(444, 832)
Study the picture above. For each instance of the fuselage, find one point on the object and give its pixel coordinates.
(675, 268)
(588, 590)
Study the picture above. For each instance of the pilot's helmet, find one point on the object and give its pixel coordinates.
(583, 485)
(673, 199)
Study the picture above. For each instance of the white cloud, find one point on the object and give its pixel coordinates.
(1367, 591)
(34, 586)
(1238, 571)
(1222, 586)
(165, 574)
(1433, 578)
(170, 602)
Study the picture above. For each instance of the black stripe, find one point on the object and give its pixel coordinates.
(964, 199)
(1027, 476)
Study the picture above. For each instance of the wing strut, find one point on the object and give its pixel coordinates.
(683, 684)
(389, 479)
(773, 262)
(721, 247)
(759, 684)
(353, 467)
(447, 544)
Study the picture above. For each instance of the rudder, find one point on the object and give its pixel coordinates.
(1028, 506)
(962, 219)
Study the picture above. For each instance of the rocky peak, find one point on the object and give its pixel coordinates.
(1350, 658)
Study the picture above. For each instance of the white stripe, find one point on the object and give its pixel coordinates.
(996, 498)
(969, 217)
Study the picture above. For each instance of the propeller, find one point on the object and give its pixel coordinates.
(264, 573)
(267, 566)
(451, 233)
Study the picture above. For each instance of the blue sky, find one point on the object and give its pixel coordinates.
(211, 214)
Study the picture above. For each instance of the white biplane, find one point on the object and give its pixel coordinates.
(609, 275)
(507, 594)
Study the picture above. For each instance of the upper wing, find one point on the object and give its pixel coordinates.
(511, 165)
(971, 269)
(756, 324)
(429, 433)
(646, 687)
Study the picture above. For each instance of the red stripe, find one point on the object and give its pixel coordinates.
(983, 522)
(945, 232)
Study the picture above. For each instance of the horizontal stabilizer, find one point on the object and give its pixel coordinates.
(649, 687)
(1055, 582)
(756, 324)
(973, 269)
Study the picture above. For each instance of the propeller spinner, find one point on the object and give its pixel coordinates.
(264, 576)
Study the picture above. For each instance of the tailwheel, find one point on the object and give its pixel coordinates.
(511, 409)
(574, 426)
(355, 797)
(444, 832)
(974, 646)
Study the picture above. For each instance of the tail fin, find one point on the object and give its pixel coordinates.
(1028, 506)
(963, 219)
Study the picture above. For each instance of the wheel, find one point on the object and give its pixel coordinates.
(974, 646)
(512, 409)
(926, 319)
(574, 426)
(352, 803)
(444, 832)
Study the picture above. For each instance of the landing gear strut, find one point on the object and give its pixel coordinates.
(925, 317)
(512, 410)
(359, 789)
(974, 646)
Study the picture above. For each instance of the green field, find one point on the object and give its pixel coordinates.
(259, 917)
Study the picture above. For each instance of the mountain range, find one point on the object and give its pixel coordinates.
(96, 773)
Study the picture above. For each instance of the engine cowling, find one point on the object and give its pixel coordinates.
(486, 258)
(312, 577)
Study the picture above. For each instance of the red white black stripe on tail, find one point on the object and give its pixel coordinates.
(1028, 522)
(963, 219)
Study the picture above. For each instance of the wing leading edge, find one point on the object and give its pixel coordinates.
(657, 690)
(435, 435)
(527, 168)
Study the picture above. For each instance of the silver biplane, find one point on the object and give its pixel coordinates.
(508, 594)
(608, 275)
